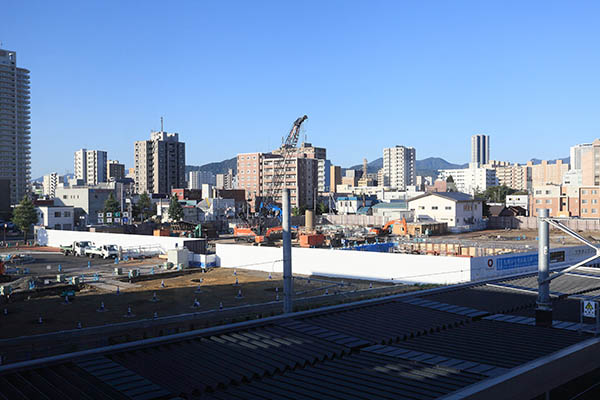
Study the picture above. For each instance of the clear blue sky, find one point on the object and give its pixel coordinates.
(232, 76)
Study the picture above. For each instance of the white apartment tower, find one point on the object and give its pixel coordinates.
(50, 183)
(159, 163)
(399, 167)
(480, 149)
(91, 166)
(15, 135)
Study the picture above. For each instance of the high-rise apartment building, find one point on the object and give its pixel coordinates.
(50, 183)
(399, 166)
(159, 163)
(15, 134)
(335, 177)
(256, 173)
(90, 166)
(480, 149)
(198, 178)
(590, 165)
(115, 170)
(545, 173)
(577, 152)
(224, 181)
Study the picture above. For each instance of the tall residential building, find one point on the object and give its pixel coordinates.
(471, 180)
(514, 176)
(115, 170)
(399, 166)
(590, 165)
(159, 163)
(577, 152)
(225, 181)
(50, 183)
(198, 178)
(256, 172)
(546, 173)
(480, 149)
(90, 166)
(15, 134)
(335, 178)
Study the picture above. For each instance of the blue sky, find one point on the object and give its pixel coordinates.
(231, 76)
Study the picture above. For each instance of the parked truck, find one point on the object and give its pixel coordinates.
(105, 251)
(75, 249)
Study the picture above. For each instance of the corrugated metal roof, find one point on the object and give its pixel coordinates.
(502, 344)
(360, 376)
(64, 381)
(387, 322)
(204, 364)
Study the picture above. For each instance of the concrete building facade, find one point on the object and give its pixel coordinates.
(15, 133)
(55, 217)
(546, 173)
(225, 181)
(87, 202)
(399, 166)
(470, 180)
(91, 166)
(49, 184)
(159, 163)
(115, 170)
(198, 178)
(256, 172)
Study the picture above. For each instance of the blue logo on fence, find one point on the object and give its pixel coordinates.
(516, 262)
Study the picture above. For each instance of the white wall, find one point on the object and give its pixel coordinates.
(408, 268)
(54, 238)
(349, 264)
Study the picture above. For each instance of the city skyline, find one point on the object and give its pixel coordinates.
(428, 77)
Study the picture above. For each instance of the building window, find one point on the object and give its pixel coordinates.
(594, 210)
(583, 191)
(548, 201)
(538, 201)
(584, 210)
(584, 201)
(57, 215)
(66, 214)
(594, 201)
(448, 208)
(434, 207)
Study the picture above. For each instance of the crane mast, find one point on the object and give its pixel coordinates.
(288, 151)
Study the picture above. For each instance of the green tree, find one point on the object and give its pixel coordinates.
(144, 206)
(24, 215)
(497, 194)
(322, 208)
(111, 205)
(175, 209)
(449, 179)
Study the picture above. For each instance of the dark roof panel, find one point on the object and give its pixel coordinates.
(360, 376)
(387, 322)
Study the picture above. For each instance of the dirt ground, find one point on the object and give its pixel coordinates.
(176, 297)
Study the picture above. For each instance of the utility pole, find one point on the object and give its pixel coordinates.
(288, 286)
(543, 309)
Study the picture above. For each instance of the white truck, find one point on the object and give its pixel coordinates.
(76, 249)
(105, 251)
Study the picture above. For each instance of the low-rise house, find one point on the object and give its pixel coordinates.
(455, 208)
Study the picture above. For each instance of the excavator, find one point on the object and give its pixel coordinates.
(386, 229)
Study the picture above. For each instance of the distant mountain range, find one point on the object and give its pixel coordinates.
(215, 167)
(427, 167)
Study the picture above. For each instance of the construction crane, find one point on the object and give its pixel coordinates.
(269, 207)
(288, 151)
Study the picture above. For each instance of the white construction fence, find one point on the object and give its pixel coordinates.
(393, 267)
(130, 244)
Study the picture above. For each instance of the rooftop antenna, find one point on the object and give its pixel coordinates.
(161, 124)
